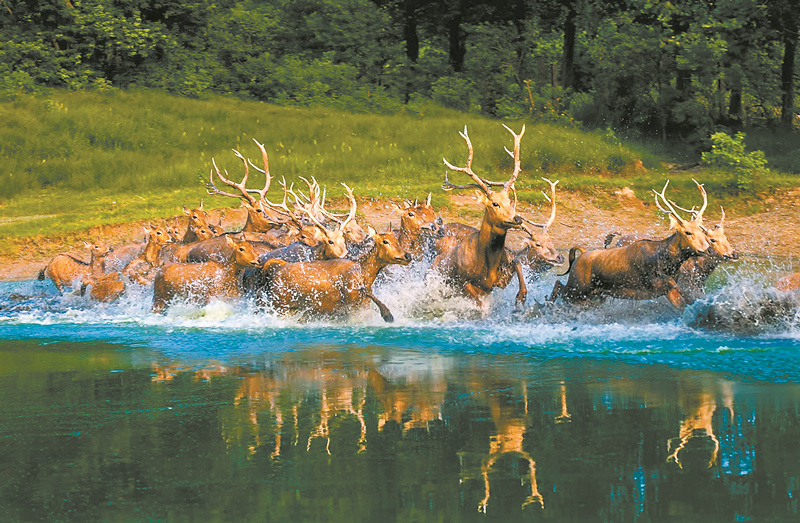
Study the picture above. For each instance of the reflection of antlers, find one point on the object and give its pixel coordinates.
(480, 183)
(241, 186)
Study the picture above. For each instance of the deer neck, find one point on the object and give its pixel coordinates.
(491, 241)
(672, 254)
(190, 236)
(97, 264)
(151, 251)
(371, 265)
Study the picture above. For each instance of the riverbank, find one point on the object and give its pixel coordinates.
(581, 220)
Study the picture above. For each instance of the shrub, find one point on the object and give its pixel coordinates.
(728, 152)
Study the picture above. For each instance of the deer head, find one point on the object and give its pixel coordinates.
(388, 246)
(500, 209)
(692, 235)
(540, 245)
(418, 219)
(243, 253)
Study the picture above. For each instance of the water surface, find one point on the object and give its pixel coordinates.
(630, 412)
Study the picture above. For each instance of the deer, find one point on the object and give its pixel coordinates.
(419, 226)
(206, 280)
(643, 270)
(198, 229)
(539, 253)
(332, 288)
(65, 269)
(268, 226)
(789, 283)
(473, 260)
(696, 270)
(142, 269)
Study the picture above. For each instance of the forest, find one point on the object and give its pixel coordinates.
(675, 71)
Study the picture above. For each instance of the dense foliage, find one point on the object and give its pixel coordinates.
(679, 70)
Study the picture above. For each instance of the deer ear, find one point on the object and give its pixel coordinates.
(673, 222)
(428, 201)
(397, 208)
(480, 196)
(186, 211)
(229, 240)
(371, 232)
(247, 206)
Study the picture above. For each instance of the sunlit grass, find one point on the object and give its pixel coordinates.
(67, 157)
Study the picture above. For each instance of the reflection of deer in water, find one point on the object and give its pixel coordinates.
(413, 404)
(697, 447)
(335, 398)
(507, 442)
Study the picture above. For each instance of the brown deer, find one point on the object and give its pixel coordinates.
(696, 270)
(105, 287)
(643, 270)
(473, 260)
(142, 269)
(198, 229)
(332, 288)
(65, 270)
(539, 253)
(789, 283)
(419, 226)
(203, 281)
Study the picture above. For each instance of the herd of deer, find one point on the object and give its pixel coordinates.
(296, 257)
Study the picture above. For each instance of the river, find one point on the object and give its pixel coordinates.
(627, 412)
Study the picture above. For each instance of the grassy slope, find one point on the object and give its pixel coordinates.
(69, 161)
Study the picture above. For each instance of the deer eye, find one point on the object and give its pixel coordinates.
(330, 242)
(496, 204)
(712, 240)
(411, 214)
(386, 242)
(688, 233)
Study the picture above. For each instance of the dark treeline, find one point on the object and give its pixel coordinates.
(676, 70)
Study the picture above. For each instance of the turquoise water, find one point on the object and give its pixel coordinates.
(629, 412)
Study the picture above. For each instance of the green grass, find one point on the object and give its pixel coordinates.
(72, 160)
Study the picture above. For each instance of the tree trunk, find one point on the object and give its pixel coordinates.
(410, 30)
(787, 73)
(569, 47)
(458, 48)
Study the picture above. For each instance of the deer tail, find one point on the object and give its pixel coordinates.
(573, 254)
(609, 239)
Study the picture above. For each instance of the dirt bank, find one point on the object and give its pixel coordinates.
(772, 233)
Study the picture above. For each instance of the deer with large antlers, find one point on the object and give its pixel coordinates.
(696, 270)
(203, 281)
(332, 288)
(539, 253)
(643, 270)
(473, 261)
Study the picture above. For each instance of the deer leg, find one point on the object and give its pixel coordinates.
(385, 312)
(557, 288)
(676, 298)
(523, 289)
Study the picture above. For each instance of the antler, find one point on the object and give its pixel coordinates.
(515, 155)
(352, 213)
(241, 186)
(480, 182)
(698, 217)
(283, 208)
(671, 209)
(552, 200)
